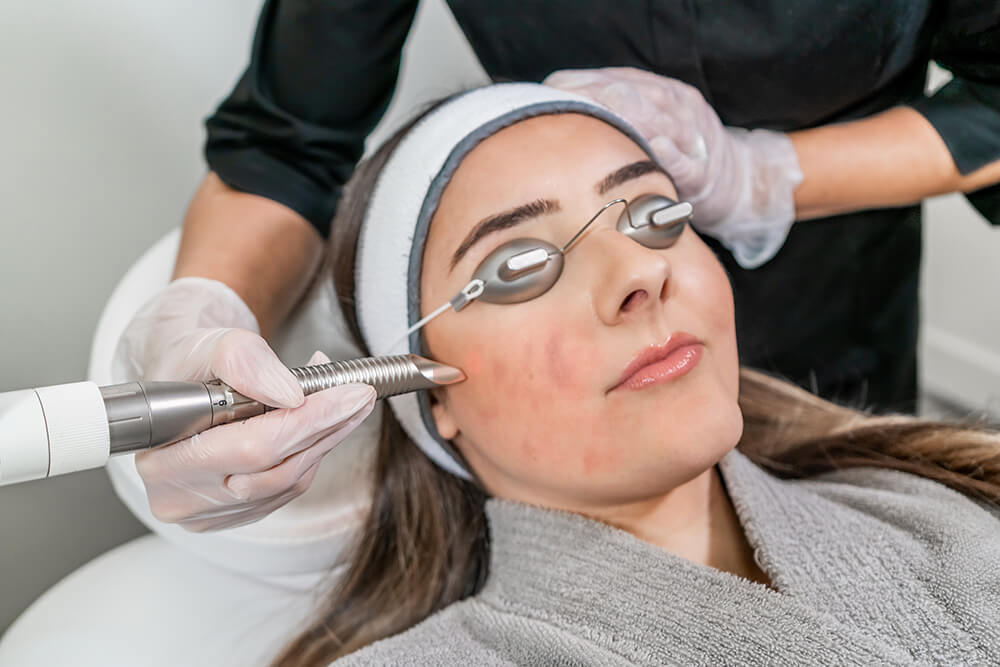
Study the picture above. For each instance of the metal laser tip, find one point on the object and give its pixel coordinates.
(438, 373)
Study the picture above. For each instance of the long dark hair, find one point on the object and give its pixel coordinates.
(424, 543)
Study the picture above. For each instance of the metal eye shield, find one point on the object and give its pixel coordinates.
(523, 269)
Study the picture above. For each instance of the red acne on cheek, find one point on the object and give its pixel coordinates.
(527, 370)
(560, 365)
(600, 458)
(500, 371)
(473, 363)
(539, 444)
(488, 413)
(529, 450)
(603, 454)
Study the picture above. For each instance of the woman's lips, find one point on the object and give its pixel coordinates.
(676, 357)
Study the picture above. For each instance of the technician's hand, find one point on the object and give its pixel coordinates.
(235, 474)
(740, 182)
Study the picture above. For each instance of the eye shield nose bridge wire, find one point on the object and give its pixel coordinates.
(620, 200)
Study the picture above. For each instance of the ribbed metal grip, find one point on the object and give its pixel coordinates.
(390, 375)
(148, 414)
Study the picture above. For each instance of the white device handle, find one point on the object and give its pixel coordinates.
(51, 431)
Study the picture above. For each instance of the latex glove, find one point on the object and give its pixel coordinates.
(741, 183)
(237, 473)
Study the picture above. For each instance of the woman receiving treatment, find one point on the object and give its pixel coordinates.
(607, 486)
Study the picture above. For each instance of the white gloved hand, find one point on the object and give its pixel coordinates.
(741, 183)
(235, 474)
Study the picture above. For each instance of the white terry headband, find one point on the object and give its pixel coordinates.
(404, 199)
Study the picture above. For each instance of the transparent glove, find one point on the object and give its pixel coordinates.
(741, 183)
(235, 474)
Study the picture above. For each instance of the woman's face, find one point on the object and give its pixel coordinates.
(544, 416)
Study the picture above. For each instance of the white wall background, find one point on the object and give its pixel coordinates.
(100, 112)
(101, 109)
(960, 339)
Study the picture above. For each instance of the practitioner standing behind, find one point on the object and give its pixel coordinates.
(849, 142)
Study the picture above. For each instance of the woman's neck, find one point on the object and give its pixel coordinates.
(696, 521)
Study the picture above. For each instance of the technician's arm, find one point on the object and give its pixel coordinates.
(283, 143)
(947, 142)
(748, 187)
(263, 250)
(890, 159)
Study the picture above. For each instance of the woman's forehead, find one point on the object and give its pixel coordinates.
(550, 156)
(546, 140)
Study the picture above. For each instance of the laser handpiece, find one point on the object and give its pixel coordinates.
(56, 430)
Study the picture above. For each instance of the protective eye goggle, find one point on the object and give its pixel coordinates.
(523, 269)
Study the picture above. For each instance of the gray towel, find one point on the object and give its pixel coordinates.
(870, 566)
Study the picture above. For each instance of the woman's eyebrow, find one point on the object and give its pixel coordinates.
(504, 220)
(627, 173)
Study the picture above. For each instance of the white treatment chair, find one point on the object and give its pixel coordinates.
(234, 597)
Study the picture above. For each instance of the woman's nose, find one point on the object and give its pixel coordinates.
(631, 278)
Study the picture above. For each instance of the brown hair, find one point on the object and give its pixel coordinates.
(425, 545)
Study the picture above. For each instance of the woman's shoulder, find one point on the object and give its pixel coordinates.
(888, 492)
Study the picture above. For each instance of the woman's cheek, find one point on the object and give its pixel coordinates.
(530, 408)
(560, 361)
(716, 291)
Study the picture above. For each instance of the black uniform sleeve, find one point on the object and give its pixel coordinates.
(321, 75)
(966, 111)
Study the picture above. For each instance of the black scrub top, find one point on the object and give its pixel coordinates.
(836, 309)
